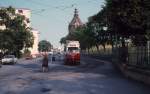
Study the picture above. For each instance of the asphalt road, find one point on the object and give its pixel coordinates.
(113, 82)
(92, 76)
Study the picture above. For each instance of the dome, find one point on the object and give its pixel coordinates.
(75, 23)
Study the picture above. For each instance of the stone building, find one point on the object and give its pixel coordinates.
(75, 22)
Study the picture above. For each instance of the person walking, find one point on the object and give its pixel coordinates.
(45, 64)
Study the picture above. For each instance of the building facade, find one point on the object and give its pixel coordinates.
(34, 49)
(75, 22)
(27, 14)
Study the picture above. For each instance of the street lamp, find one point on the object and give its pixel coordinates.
(105, 28)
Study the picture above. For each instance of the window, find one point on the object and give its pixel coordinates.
(28, 21)
(20, 11)
(73, 49)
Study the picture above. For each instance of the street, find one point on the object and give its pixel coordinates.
(92, 76)
(75, 47)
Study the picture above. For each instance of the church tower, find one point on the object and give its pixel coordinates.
(75, 23)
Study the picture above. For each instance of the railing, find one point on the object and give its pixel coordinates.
(137, 56)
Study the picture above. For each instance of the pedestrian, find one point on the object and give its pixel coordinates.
(45, 64)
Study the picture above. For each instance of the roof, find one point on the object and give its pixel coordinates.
(16, 8)
(23, 9)
(76, 20)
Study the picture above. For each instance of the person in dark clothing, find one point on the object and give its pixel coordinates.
(45, 64)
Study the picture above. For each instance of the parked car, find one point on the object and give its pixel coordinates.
(9, 59)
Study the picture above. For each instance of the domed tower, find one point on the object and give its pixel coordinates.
(75, 23)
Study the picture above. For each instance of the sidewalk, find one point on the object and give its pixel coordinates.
(140, 75)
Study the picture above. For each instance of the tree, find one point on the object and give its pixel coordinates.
(16, 35)
(129, 19)
(146, 13)
(82, 36)
(63, 40)
(97, 25)
(44, 46)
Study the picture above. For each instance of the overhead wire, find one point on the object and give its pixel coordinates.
(48, 6)
(60, 7)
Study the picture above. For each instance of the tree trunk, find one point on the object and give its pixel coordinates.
(88, 50)
(104, 47)
(112, 45)
(92, 50)
(123, 42)
(97, 47)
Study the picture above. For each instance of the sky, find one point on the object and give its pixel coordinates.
(51, 17)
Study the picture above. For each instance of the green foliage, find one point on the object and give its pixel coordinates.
(129, 18)
(44, 46)
(63, 40)
(123, 19)
(16, 36)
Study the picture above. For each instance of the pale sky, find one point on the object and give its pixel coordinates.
(51, 17)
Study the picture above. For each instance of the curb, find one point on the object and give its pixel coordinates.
(134, 74)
